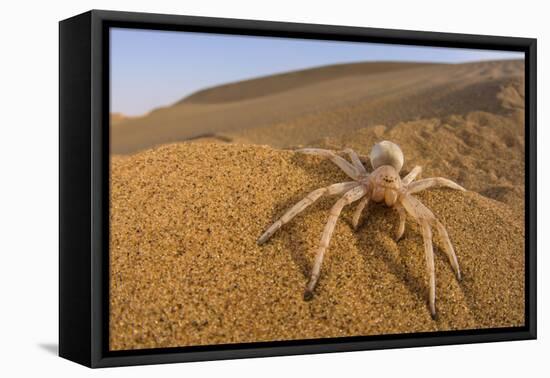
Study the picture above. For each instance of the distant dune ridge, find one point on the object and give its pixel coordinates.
(195, 184)
(273, 84)
(117, 118)
(331, 100)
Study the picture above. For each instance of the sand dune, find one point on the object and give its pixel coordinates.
(327, 100)
(273, 84)
(118, 118)
(482, 150)
(193, 185)
(186, 270)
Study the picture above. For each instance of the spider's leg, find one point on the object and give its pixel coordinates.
(402, 217)
(420, 185)
(344, 165)
(350, 196)
(448, 248)
(356, 161)
(357, 215)
(303, 204)
(412, 175)
(430, 267)
(424, 216)
(425, 213)
(365, 201)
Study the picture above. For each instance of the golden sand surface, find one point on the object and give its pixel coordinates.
(193, 186)
(186, 269)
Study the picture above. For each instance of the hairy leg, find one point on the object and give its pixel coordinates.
(303, 204)
(359, 167)
(424, 216)
(420, 185)
(401, 228)
(344, 165)
(357, 215)
(448, 248)
(424, 213)
(412, 175)
(350, 196)
(430, 267)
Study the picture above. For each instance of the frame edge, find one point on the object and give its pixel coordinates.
(75, 334)
(97, 119)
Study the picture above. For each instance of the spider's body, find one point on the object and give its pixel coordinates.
(382, 185)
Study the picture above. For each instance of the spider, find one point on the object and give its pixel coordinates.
(382, 185)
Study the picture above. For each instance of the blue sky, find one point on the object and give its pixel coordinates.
(150, 68)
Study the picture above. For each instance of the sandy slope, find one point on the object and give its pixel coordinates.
(185, 216)
(484, 151)
(297, 107)
(185, 268)
(118, 118)
(269, 85)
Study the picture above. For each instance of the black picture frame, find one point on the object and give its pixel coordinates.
(84, 187)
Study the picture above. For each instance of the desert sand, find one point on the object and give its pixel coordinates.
(186, 269)
(332, 104)
(189, 202)
(118, 118)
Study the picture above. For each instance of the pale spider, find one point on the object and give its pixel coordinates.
(381, 185)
